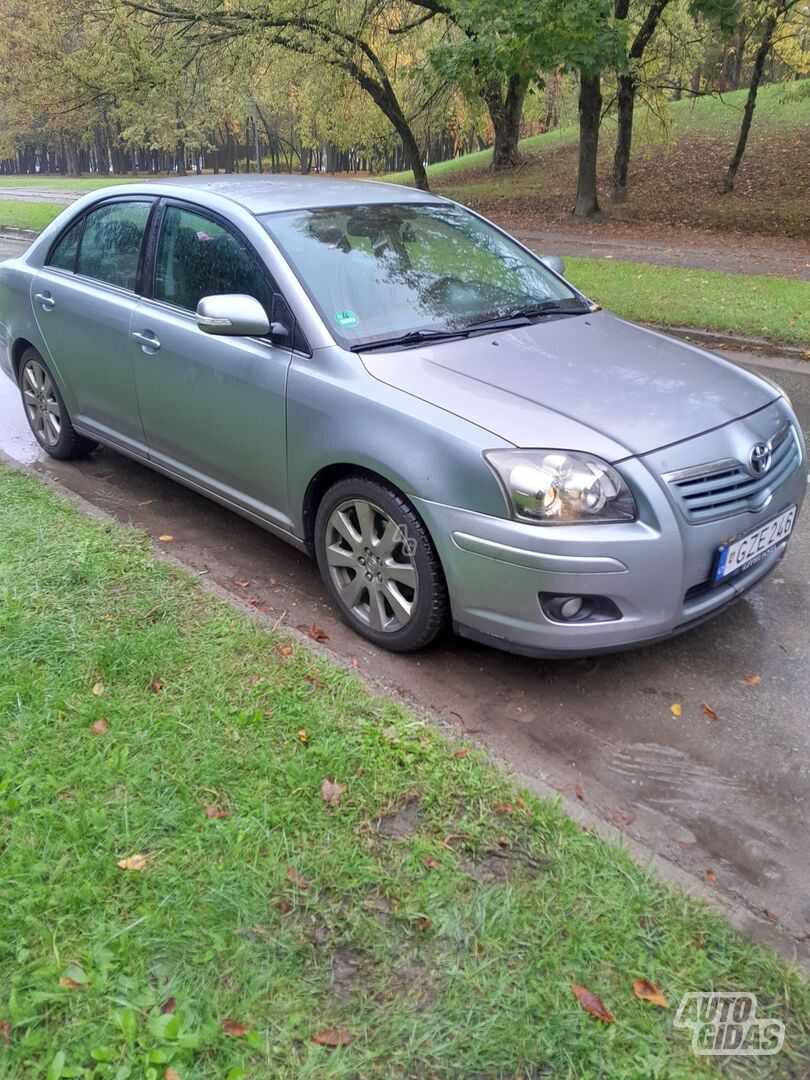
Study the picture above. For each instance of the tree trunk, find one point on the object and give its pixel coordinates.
(590, 113)
(181, 157)
(506, 111)
(625, 106)
(751, 101)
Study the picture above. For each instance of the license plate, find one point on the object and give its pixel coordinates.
(746, 550)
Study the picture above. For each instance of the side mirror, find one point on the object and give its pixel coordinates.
(555, 263)
(233, 314)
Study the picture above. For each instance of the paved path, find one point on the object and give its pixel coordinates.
(731, 794)
(35, 193)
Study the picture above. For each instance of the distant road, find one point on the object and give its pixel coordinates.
(40, 194)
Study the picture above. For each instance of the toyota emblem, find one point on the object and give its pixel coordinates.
(760, 458)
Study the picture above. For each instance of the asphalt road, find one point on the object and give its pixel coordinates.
(730, 795)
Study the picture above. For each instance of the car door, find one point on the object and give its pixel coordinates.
(213, 407)
(83, 299)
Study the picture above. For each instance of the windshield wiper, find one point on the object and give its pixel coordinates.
(550, 307)
(413, 337)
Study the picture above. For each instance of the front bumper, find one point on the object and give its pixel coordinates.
(655, 570)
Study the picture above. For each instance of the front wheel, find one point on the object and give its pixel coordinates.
(379, 565)
(46, 412)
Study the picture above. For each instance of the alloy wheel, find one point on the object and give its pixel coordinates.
(41, 403)
(371, 562)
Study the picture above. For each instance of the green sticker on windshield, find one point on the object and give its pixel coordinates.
(346, 318)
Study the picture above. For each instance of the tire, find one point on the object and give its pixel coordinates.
(46, 412)
(379, 565)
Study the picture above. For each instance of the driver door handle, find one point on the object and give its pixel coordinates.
(147, 340)
(45, 301)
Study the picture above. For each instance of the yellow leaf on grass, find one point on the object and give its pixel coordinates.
(648, 991)
(133, 862)
(98, 689)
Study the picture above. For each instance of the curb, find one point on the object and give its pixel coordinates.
(12, 232)
(746, 920)
(714, 339)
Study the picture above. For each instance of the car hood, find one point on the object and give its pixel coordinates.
(627, 389)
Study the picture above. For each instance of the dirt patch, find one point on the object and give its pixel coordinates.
(401, 824)
(346, 965)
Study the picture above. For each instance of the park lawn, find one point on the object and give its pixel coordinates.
(22, 214)
(752, 305)
(434, 913)
(66, 183)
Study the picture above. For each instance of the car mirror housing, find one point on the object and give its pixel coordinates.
(555, 263)
(233, 314)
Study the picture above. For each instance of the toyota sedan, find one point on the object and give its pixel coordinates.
(391, 383)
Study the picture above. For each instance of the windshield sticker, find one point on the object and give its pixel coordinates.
(346, 318)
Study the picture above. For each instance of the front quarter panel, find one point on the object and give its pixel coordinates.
(339, 414)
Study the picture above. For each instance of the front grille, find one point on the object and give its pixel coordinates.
(726, 487)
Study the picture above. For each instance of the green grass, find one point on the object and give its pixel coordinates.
(752, 305)
(27, 215)
(459, 967)
(66, 183)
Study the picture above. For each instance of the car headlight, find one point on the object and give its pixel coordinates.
(561, 487)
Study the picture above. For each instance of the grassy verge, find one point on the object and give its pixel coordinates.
(66, 183)
(23, 214)
(433, 913)
(753, 305)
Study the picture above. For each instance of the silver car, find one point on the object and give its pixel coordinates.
(390, 382)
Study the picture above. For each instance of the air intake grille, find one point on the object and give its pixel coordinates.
(726, 487)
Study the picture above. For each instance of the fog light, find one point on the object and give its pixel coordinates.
(571, 607)
(578, 609)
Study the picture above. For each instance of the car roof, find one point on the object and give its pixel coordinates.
(265, 194)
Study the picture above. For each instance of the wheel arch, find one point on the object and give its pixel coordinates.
(17, 350)
(326, 478)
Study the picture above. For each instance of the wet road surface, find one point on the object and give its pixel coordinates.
(730, 794)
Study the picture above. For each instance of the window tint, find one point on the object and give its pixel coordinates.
(111, 242)
(63, 256)
(196, 257)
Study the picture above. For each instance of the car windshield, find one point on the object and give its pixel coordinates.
(381, 272)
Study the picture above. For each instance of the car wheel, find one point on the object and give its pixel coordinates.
(379, 565)
(46, 412)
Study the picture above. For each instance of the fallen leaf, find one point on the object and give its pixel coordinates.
(264, 608)
(166, 537)
(422, 924)
(98, 689)
(317, 633)
(431, 864)
(169, 1005)
(333, 1037)
(100, 727)
(214, 813)
(234, 1028)
(5, 1032)
(273, 582)
(461, 753)
(284, 650)
(242, 584)
(354, 662)
(522, 804)
(592, 1003)
(451, 839)
(156, 685)
(133, 862)
(171, 1074)
(71, 984)
(332, 791)
(297, 879)
(146, 502)
(711, 877)
(302, 736)
(503, 842)
(675, 709)
(390, 734)
(648, 991)
(752, 680)
(504, 808)
(712, 715)
(255, 680)
(579, 794)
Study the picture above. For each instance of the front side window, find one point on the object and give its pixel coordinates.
(380, 271)
(198, 257)
(63, 256)
(111, 242)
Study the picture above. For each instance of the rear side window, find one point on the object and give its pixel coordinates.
(111, 242)
(198, 257)
(63, 255)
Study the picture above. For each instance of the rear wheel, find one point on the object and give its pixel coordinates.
(46, 412)
(379, 565)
